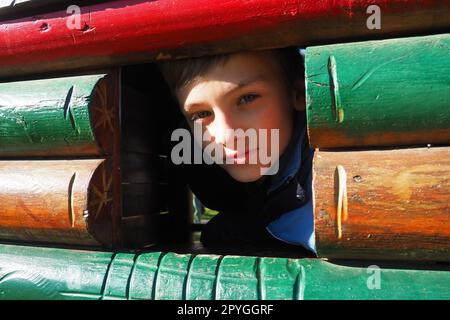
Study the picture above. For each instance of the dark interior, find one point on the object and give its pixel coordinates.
(153, 199)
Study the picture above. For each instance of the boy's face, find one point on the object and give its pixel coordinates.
(249, 91)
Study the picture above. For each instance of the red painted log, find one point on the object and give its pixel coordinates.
(383, 204)
(134, 31)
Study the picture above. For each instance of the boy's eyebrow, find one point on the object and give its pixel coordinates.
(245, 83)
(240, 85)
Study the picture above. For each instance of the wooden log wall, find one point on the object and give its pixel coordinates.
(107, 36)
(379, 93)
(372, 107)
(383, 204)
(115, 128)
(59, 144)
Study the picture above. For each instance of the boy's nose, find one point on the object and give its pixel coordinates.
(222, 128)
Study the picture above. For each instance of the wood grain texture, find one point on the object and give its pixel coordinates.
(136, 31)
(125, 194)
(56, 201)
(379, 93)
(70, 116)
(398, 204)
(49, 273)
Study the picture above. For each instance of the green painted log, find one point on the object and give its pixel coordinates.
(49, 273)
(375, 93)
(71, 116)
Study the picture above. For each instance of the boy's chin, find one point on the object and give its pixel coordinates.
(243, 173)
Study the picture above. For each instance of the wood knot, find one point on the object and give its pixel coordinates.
(44, 27)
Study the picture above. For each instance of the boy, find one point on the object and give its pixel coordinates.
(260, 90)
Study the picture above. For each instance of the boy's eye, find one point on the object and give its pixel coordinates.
(247, 98)
(200, 115)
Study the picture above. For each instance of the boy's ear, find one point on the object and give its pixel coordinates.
(299, 95)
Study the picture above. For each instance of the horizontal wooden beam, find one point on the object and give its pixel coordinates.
(136, 31)
(383, 204)
(373, 93)
(49, 273)
(69, 116)
(59, 201)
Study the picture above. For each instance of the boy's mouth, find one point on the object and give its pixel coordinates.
(234, 157)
